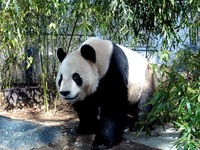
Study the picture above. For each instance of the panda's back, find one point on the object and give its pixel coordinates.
(137, 74)
(132, 65)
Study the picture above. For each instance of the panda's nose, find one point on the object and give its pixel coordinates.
(64, 93)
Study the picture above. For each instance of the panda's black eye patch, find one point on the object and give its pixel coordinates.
(76, 77)
(60, 80)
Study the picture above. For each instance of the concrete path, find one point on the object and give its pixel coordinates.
(161, 139)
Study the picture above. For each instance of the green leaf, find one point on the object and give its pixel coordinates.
(181, 105)
(198, 115)
(172, 1)
(189, 108)
(190, 1)
(18, 32)
(52, 25)
(141, 128)
(8, 2)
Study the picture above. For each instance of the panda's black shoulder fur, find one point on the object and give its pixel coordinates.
(119, 63)
(115, 81)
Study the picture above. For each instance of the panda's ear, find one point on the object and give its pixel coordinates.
(88, 53)
(61, 54)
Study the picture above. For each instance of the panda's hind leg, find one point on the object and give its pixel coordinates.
(87, 113)
(144, 108)
(132, 117)
(148, 89)
(137, 112)
(143, 105)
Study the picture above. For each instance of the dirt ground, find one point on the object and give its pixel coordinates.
(64, 119)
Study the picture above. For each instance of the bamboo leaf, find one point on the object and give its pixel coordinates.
(8, 2)
(18, 32)
(190, 1)
(172, 2)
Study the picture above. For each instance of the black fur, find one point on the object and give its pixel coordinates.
(77, 79)
(88, 53)
(61, 54)
(112, 99)
(60, 80)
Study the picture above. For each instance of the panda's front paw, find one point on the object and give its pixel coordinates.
(101, 144)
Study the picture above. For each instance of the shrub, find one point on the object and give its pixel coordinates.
(177, 99)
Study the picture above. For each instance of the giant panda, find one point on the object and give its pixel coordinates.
(105, 82)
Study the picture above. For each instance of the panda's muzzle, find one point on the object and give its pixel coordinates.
(66, 96)
(65, 93)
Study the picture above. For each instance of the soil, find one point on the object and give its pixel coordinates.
(64, 119)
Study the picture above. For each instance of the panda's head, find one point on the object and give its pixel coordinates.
(77, 76)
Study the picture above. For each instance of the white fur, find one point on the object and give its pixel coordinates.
(75, 63)
(136, 77)
(103, 49)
